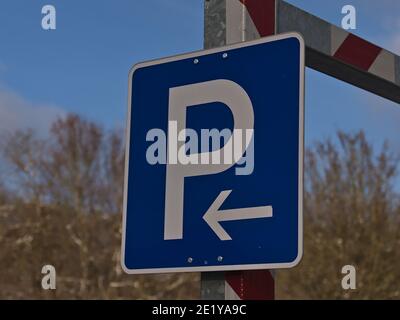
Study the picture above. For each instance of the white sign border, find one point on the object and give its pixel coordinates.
(193, 55)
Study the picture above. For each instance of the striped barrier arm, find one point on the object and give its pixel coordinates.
(250, 285)
(238, 285)
(330, 49)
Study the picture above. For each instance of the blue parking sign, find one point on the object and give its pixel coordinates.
(214, 159)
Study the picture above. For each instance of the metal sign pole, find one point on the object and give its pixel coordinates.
(213, 283)
(225, 22)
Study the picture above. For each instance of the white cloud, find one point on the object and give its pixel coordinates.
(18, 113)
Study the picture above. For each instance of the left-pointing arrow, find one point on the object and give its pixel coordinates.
(214, 215)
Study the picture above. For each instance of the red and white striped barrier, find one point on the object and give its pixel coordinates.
(330, 50)
(249, 19)
(249, 285)
(362, 54)
(244, 21)
(340, 52)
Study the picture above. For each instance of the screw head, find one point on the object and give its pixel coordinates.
(196, 61)
(224, 55)
(220, 258)
(190, 260)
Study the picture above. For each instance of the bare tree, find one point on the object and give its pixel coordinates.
(25, 153)
(113, 176)
(351, 218)
(72, 218)
(64, 205)
(73, 162)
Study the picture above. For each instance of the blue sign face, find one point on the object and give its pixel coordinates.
(214, 164)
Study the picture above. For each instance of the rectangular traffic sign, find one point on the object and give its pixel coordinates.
(214, 159)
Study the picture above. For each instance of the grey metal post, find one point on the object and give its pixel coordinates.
(213, 283)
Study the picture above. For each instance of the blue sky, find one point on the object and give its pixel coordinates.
(82, 66)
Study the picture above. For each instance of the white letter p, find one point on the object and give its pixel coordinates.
(180, 98)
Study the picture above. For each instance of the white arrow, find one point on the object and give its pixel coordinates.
(214, 215)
